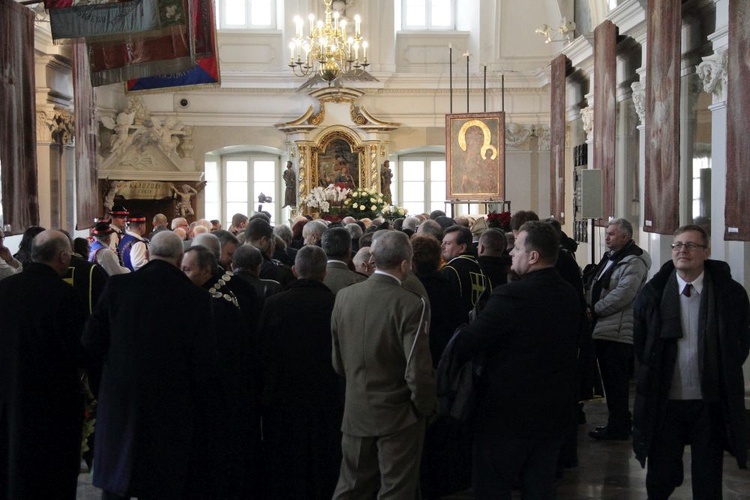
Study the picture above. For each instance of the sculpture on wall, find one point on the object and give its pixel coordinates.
(184, 207)
(290, 180)
(386, 175)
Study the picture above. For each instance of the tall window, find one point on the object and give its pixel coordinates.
(234, 185)
(422, 183)
(428, 14)
(246, 14)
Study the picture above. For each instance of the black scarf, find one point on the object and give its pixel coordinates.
(603, 282)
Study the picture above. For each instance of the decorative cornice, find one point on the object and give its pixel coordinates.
(55, 126)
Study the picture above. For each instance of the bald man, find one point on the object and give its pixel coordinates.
(40, 353)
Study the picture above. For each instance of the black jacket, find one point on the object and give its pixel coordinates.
(528, 333)
(656, 351)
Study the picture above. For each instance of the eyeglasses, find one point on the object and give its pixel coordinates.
(690, 246)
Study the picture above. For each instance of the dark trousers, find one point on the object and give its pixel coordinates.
(501, 458)
(614, 364)
(698, 424)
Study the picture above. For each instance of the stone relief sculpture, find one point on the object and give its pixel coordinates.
(516, 134)
(135, 139)
(639, 99)
(587, 116)
(713, 73)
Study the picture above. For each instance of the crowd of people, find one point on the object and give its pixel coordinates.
(299, 361)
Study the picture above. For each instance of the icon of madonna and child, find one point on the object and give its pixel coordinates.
(338, 166)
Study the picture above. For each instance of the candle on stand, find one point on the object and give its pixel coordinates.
(357, 24)
(364, 50)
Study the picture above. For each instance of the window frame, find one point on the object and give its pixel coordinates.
(220, 7)
(428, 18)
(250, 158)
(427, 158)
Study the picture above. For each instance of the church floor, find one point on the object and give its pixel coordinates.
(607, 470)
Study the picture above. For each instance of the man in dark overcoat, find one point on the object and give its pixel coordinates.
(302, 395)
(157, 366)
(528, 335)
(691, 338)
(41, 406)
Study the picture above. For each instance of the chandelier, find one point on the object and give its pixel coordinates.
(328, 49)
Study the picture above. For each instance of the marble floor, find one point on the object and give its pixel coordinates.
(607, 470)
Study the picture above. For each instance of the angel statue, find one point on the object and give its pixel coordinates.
(121, 126)
(184, 207)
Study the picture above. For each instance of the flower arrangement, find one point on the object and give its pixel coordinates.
(364, 203)
(499, 220)
(394, 212)
(328, 199)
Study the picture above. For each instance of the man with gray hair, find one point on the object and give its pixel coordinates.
(302, 394)
(337, 245)
(313, 231)
(388, 402)
(410, 223)
(160, 361)
(40, 354)
(611, 288)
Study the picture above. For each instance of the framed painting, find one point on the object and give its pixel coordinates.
(475, 154)
(338, 162)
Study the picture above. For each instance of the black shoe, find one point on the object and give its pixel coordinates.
(604, 434)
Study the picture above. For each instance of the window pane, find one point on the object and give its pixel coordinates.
(415, 13)
(437, 191)
(234, 13)
(441, 14)
(413, 191)
(413, 171)
(437, 170)
(212, 171)
(213, 211)
(211, 193)
(236, 171)
(437, 205)
(237, 191)
(260, 12)
(414, 207)
(264, 170)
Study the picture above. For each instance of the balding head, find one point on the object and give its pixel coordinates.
(209, 241)
(53, 249)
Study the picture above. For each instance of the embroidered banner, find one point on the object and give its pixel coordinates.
(559, 68)
(662, 126)
(605, 113)
(737, 223)
(113, 18)
(142, 56)
(206, 69)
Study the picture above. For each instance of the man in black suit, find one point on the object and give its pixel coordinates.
(155, 382)
(302, 395)
(527, 334)
(41, 406)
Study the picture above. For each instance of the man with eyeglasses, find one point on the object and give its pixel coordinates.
(691, 338)
(611, 290)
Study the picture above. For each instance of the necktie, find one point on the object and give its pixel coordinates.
(687, 291)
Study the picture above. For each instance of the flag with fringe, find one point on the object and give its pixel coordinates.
(113, 19)
(205, 72)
